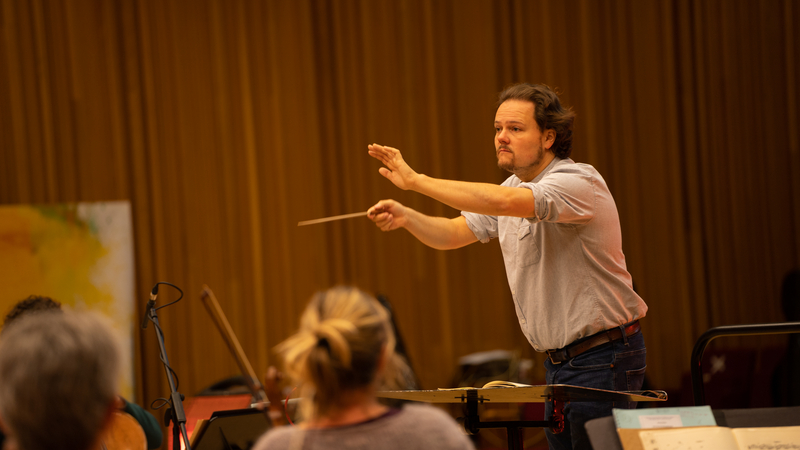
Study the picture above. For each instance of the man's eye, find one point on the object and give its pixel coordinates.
(516, 128)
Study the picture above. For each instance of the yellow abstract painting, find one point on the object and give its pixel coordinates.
(80, 255)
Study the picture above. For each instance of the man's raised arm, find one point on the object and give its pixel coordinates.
(438, 232)
(480, 198)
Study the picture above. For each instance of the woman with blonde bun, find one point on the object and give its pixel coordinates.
(341, 355)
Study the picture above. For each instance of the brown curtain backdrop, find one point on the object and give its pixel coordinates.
(226, 122)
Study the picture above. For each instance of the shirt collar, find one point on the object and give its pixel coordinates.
(555, 161)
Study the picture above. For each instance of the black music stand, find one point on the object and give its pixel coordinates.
(237, 429)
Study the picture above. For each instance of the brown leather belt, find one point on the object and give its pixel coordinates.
(603, 337)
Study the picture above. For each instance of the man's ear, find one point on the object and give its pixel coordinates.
(549, 138)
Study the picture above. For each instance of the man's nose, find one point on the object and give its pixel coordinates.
(502, 136)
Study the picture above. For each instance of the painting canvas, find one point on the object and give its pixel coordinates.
(80, 254)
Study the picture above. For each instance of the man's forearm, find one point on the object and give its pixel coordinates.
(439, 232)
(480, 198)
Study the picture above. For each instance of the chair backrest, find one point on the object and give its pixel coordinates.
(734, 330)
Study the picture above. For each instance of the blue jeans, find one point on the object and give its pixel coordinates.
(616, 366)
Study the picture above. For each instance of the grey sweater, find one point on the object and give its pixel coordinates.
(416, 426)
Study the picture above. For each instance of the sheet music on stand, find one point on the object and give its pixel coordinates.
(719, 438)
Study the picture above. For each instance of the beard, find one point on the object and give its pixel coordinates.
(510, 164)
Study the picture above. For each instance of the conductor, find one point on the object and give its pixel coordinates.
(559, 232)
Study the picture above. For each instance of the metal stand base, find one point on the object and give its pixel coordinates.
(472, 422)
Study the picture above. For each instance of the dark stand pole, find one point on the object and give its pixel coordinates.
(473, 424)
(176, 411)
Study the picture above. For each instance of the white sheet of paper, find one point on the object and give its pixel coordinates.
(769, 438)
(694, 438)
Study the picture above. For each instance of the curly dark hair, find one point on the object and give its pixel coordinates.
(547, 111)
(34, 303)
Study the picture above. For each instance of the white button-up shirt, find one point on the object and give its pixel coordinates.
(565, 265)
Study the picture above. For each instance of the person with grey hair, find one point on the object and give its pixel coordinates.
(36, 304)
(59, 377)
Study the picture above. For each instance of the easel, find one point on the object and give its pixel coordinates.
(559, 394)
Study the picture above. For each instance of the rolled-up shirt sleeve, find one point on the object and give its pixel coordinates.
(564, 195)
(563, 198)
(484, 227)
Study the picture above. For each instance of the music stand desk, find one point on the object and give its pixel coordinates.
(559, 394)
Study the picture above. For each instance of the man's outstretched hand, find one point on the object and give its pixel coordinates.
(395, 168)
(388, 215)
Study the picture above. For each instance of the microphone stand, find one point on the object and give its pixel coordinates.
(178, 416)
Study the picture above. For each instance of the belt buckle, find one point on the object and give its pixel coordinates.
(550, 354)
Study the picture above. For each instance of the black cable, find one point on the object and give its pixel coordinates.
(161, 332)
(171, 303)
(164, 402)
(161, 356)
(164, 361)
